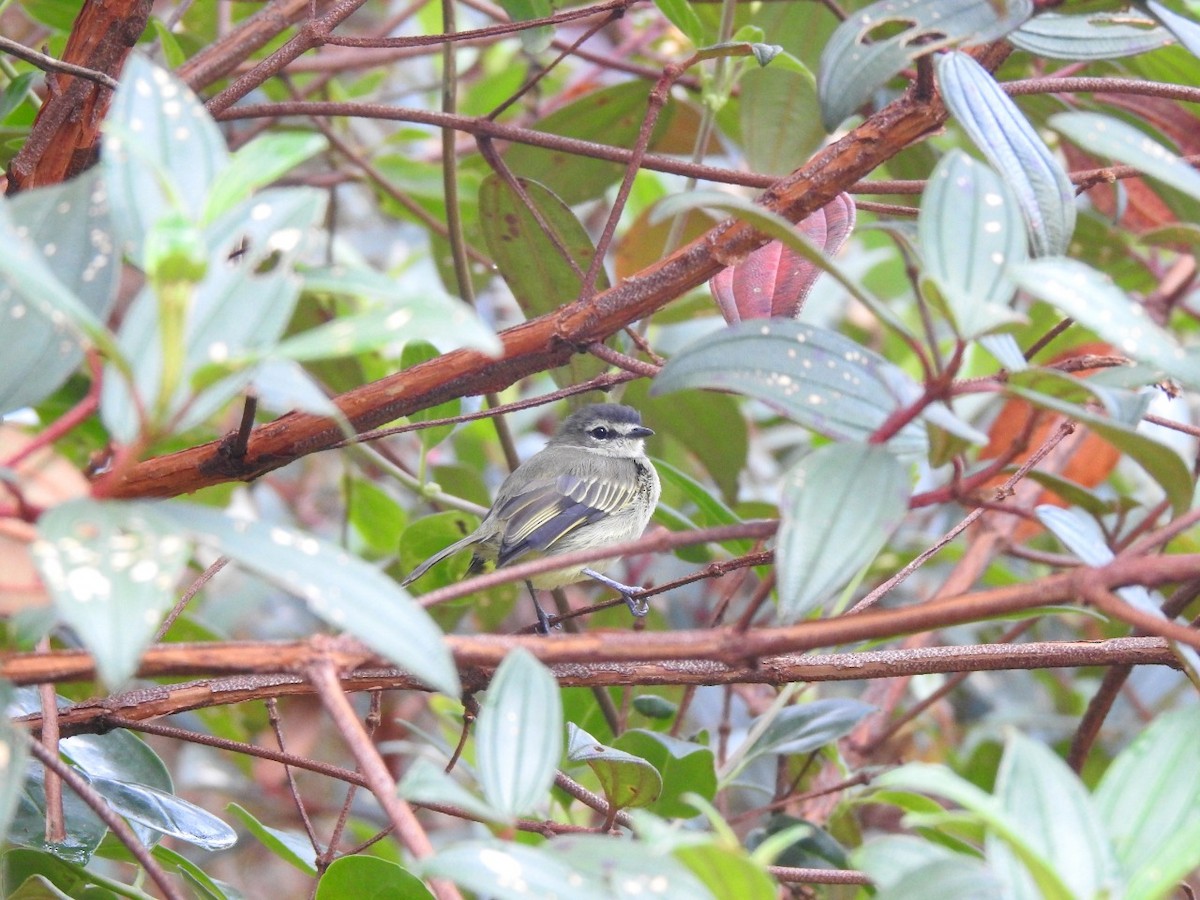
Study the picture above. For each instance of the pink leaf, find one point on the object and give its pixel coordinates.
(774, 281)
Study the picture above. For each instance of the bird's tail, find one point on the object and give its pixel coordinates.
(437, 558)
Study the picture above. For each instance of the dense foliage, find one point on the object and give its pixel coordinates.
(907, 291)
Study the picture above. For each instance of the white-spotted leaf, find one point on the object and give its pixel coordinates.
(875, 43)
(519, 734)
(66, 225)
(162, 151)
(341, 589)
(111, 569)
(1005, 137)
(970, 230)
(813, 376)
(840, 505)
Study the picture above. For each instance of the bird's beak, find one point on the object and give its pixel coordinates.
(640, 431)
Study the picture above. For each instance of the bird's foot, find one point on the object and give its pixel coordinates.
(639, 607)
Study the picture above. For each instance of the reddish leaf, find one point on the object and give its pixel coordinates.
(773, 281)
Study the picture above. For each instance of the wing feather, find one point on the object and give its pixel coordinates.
(539, 518)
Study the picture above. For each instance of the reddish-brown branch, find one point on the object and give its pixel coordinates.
(548, 341)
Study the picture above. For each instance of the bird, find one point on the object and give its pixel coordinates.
(590, 486)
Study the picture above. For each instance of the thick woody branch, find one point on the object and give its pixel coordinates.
(549, 341)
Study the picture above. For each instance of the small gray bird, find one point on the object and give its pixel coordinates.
(590, 486)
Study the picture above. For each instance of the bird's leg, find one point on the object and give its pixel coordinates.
(543, 625)
(638, 607)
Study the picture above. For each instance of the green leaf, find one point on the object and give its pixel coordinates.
(1005, 137)
(814, 376)
(726, 873)
(840, 505)
(161, 151)
(509, 871)
(627, 780)
(1105, 136)
(611, 115)
(15, 92)
(1090, 36)
(66, 237)
(111, 569)
(875, 43)
(257, 164)
(339, 588)
(683, 17)
(1091, 298)
(203, 886)
(165, 813)
(684, 767)
(970, 230)
(805, 727)
(684, 414)
(430, 534)
(533, 40)
(1057, 818)
(542, 262)
(1149, 800)
(416, 352)
(427, 316)
(1162, 463)
(653, 706)
(290, 846)
(369, 878)
(375, 515)
(518, 737)
(780, 129)
(84, 830)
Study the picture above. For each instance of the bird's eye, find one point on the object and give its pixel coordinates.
(600, 433)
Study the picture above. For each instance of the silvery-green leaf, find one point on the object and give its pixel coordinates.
(1058, 820)
(1005, 137)
(875, 43)
(111, 569)
(68, 225)
(1006, 351)
(426, 783)
(518, 736)
(1186, 30)
(1148, 798)
(970, 231)
(165, 813)
(1106, 136)
(1092, 299)
(161, 151)
(507, 870)
(1090, 36)
(238, 309)
(341, 589)
(813, 376)
(840, 505)
(1081, 535)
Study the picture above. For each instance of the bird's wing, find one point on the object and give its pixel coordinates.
(537, 519)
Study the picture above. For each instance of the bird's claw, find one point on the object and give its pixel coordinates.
(640, 608)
